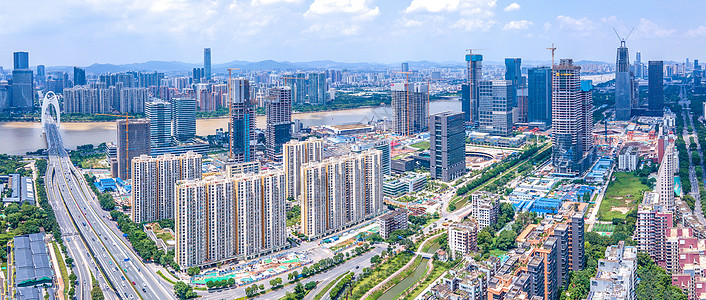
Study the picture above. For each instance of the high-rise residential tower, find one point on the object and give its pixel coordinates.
(448, 145)
(475, 75)
(297, 153)
(340, 192)
(153, 184)
(133, 141)
(241, 124)
(207, 64)
(623, 84)
(159, 113)
(410, 106)
(278, 109)
(316, 85)
(655, 90)
(495, 106)
(569, 154)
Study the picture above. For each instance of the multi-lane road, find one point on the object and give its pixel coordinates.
(96, 247)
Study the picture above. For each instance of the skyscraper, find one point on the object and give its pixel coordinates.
(569, 117)
(638, 67)
(513, 71)
(297, 153)
(153, 184)
(42, 74)
(475, 75)
(495, 106)
(586, 117)
(539, 98)
(22, 83)
(655, 94)
(405, 67)
(133, 141)
(448, 146)
(410, 106)
(623, 84)
(183, 118)
(241, 124)
(21, 60)
(278, 109)
(159, 113)
(79, 76)
(317, 88)
(207, 64)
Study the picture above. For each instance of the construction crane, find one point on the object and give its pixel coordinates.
(230, 108)
(622, 40)
(127, 145)
(552, 48)
(470, 51)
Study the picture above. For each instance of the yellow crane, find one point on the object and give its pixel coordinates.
(127, 145)
(552, 48)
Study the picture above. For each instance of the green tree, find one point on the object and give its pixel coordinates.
(96, 293)
(183, 290)
(506, 240)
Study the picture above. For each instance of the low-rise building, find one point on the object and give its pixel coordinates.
(627, 159)
(462, 238)
(615, 277)
(33, 274)
(410, 183)
(394, 220)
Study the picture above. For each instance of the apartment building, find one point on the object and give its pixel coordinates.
(652, 222)
(153, 183)
(219, 219)
(394, 220)
(485, 208)
(462, 238)
(297, 153)
(339, 192)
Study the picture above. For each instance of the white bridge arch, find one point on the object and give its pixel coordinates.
(53, 99)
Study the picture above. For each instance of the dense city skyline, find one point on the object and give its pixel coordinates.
(123, 31)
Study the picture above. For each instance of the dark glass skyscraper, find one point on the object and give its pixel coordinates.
(242, 121)
(207, 63)
(623, 84)
(539, 95)
(21, 60)
(475, 75)
(278, 110)
(79, 76)
(655, 97)
(513, 70)
(447, 151)
(22, 83)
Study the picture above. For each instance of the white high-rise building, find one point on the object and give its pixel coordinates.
(297, 153)
(665, 178)
(615, 277)
(153, 183)
(341, 191)
(485, 208)
(226, 218)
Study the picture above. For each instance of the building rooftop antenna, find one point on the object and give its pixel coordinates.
(622, 40)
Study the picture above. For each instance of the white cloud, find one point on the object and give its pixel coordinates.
(354, 7)
(410, 23)
(583, 24)
(518, 25)
(512, 6)
(649, 29)
(268, 2)
(474, 24)
(696, 32)
(433, 6)
(547, 26)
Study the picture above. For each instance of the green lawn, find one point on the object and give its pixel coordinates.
(601, 227)
(328, 287)
(165, 236)
(424, 145)
(62, 267)
(623, 194)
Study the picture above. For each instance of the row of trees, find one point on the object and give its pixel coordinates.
(497, 169)
(143, 245)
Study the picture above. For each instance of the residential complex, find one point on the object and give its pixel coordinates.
(653, 219)
(463, 238)
(133, 141)
(296, 154)
(153, 184)
(339, 192)
(218, 219)
(627, 159)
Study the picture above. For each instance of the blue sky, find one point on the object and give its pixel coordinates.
(83, 32)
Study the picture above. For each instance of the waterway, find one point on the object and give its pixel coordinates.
(406, 283)
(18, 138)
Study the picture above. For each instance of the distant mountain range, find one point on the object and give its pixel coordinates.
(181, 67)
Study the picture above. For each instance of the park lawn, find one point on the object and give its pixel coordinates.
(623, 194)
(424, 145)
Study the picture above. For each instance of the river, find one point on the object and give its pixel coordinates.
(18, 138)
